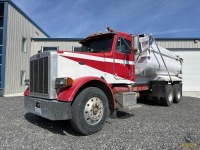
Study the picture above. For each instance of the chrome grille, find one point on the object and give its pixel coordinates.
(39, 75)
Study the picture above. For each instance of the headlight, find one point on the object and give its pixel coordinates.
(62, 82)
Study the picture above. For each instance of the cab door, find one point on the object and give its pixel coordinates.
(123, 65)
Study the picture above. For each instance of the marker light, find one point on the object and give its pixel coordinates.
(110, 29)
(100, 32)
(94, 34)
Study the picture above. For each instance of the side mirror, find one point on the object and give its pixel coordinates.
(135, 44)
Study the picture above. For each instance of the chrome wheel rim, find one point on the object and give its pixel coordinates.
(93, 111)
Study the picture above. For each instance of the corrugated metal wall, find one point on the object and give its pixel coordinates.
(174, 44)
(17, 27)
(63, 45)
(67, 45)
(189, 50)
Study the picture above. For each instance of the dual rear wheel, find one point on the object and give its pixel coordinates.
(173, 93)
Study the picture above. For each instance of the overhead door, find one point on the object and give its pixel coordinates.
(191, 68)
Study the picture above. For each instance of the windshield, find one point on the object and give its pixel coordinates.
(98, 44)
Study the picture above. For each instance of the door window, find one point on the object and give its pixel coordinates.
(123, 46)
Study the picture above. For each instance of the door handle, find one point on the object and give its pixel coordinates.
(81, 63)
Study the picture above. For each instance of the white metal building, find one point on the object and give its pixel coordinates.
(20, 38)
(43, 44)
(189, 50)
(16, 31)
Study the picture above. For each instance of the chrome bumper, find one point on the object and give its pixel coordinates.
(50, 109)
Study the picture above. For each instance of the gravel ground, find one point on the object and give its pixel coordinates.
(152, 127)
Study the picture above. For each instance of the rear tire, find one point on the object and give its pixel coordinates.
(169, 95)
(89, 111)
(177, 92)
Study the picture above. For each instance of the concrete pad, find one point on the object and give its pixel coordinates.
(192, 94)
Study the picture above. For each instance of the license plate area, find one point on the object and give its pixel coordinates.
(38, 108)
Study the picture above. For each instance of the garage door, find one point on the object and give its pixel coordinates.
(191, 68)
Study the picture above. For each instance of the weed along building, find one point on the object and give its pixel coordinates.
(20, 38)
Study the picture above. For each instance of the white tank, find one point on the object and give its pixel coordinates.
(149, 65)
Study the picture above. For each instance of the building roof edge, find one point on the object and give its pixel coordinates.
(181, 38)
(57, 39)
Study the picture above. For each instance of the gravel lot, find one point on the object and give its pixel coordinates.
(151, 127)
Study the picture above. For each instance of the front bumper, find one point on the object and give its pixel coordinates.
(50, 109)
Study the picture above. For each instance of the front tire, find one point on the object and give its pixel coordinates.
(89, 111)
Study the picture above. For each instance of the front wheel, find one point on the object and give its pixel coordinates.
(89, 111)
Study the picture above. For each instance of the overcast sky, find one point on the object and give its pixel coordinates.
(79, 18)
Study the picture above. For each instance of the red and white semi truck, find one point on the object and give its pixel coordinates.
(114, 67)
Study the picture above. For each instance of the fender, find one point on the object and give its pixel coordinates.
(67, 94)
